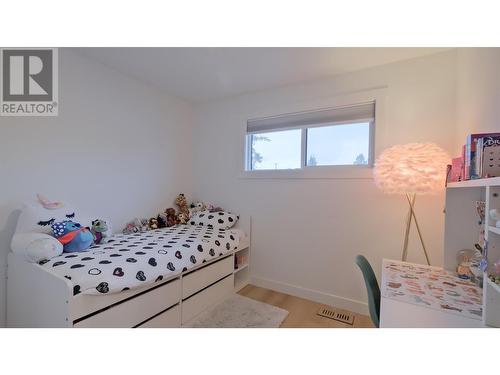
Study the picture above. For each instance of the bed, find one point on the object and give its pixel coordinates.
(159, 278)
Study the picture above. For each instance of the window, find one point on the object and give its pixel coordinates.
(330, 137)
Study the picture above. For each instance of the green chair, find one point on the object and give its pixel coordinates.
(371, 287)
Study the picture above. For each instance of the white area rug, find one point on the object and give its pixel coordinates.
(240, 312)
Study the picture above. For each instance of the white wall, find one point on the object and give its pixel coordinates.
(306, 233)
(118, 148)
(478, 92)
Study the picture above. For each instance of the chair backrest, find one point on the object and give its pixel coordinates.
(371, 287)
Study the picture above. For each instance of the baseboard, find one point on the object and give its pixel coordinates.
(313, 295)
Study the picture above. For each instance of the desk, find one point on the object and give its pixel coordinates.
(414, 295)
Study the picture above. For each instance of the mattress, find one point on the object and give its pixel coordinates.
(136, 260)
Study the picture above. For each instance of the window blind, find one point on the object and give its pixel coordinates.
(364, 112)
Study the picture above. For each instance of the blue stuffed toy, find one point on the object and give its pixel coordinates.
(73, 237)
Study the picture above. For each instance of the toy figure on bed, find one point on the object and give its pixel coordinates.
(171, 217)
(199, 206)
(183, 216)
(73, 237)
(153, 223)
(162, 220)
(100, 231)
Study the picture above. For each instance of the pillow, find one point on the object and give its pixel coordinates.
(221, 219)
(36, 218)
(35, 247)
(33, 238)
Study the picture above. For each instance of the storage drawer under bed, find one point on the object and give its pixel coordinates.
(202, 300)
(136, 310)
(167, 319)
(201, 278)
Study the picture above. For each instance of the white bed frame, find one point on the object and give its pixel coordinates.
(37, 298)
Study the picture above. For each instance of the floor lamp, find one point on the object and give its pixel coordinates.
(411, 169)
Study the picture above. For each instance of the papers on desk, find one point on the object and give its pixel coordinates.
(431, 287)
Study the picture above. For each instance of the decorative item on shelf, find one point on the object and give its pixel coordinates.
(495, 217)
(480, 209)
(241, 260)
(411, 169)
(494, 276)
(456, 170)
(468, 264)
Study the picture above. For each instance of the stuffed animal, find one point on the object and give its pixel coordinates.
(153, 223)
(196, 207)
(183, 215)
(144, 225)
(100, 231)
(136, 226)
(131, 227)
(171, 217)
(182, 218)
(73, 236)
(162, 220)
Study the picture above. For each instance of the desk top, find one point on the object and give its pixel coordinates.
(432, 288)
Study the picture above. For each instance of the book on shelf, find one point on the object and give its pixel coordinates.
(474, 155)
(456, 171)
(490, 157)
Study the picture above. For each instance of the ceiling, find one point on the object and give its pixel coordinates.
(203, 74)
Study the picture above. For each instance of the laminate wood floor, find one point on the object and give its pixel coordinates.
(302, 312)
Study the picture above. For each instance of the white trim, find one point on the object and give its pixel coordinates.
(377, 95)
(343, 172)
(313, 295)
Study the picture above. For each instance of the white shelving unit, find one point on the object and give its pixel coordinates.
(242, 272)
(462, 232)
(494, 230)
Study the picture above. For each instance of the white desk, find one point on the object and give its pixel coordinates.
(396, 310)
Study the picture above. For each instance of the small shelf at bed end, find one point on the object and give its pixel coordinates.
(240, 267)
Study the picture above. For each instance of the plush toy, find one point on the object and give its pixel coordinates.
(171, 217)
(130, 228)
(153, 223)
(162, 220)
(73, 237)
(100, 231)
(182, 218)
(144, 225)
(183, 215)
(136, 226)
(196, 207)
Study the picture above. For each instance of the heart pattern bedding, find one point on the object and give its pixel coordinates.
(135, 260)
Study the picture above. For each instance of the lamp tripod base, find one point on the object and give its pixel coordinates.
(411, 216)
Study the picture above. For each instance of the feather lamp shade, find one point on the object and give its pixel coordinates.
(414, 168)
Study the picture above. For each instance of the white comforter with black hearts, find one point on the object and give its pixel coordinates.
(135, 260)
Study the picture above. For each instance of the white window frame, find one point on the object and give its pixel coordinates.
(376, 95)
